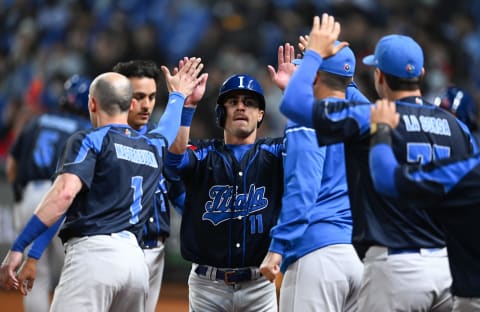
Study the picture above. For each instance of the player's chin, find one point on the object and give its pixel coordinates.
(144, 116)
(243, 132)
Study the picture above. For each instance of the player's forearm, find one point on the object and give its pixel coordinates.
(298, 99)
(11, 169)
(382, 161)
(180, 144)
(170, 120)
(59, 198)
(303, 170)
(41, 242)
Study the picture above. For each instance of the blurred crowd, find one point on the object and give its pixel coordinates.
(43, 42)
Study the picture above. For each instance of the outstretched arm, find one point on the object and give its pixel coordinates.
(180, 144)
(180, 85)
(270, 266)
(51, 208)
(297, 103)
(382, 161)
(28, 271)
(285, 67)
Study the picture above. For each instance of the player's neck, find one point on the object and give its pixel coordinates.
(322, 91)
(329, 93)
(396, 95)
(102, 119)
(237, 140)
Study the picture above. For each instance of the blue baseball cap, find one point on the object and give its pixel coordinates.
(397, 55)
(342, 63)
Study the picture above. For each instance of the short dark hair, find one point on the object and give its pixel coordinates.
(402, 84)
(138, 68)
(335, 82)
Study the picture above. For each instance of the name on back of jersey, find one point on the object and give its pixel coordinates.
(226, 204)
(138, 156)
(427, 124)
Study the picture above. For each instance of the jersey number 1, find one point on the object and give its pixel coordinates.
(136, 206)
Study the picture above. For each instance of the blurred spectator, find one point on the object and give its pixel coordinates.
(42, 40)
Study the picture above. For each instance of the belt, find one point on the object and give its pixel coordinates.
(397, 251)
(153, 243)
(229, 276)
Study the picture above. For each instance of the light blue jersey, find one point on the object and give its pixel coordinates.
(315, 206)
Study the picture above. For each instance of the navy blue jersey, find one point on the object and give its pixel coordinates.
(425, 133)
(38, 146)
(230, 204)
(113, 155)
(158, 223)
(449, 190)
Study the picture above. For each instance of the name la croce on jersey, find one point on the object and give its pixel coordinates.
(425, 132)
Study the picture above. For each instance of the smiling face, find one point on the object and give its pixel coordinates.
(242, 116)
(143, 103)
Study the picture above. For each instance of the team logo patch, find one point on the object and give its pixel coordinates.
(225, 205)
(346, 67)
(410, 68)
(128, 132)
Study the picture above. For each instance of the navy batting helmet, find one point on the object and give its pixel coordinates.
(239, 82)
(76, 93)
(459, 102)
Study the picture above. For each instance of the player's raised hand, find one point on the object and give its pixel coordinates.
(323, 35)
(8, 270)
(198, 92)
(26, 275)
(303, 43)
(285, 67)
(384, 111)
(270, 266)
(185, 79)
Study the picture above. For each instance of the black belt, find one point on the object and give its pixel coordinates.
(397, 251)
(229, 276)
(153, 243)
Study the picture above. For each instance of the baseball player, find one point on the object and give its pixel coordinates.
(102, 228)
(233, 195)
(452, 185)
(144, 76)
(389, 237)
(312, 239)
(30, 166)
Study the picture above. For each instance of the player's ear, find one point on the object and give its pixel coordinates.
(423, 72)
(379, 76)
(260, 116)
(132, 104)
(92, 104)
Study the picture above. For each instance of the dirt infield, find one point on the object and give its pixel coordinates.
(173, 298)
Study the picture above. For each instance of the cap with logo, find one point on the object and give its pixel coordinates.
(342, 63)
(397, 55)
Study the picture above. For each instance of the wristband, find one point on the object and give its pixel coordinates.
(381, 134)
(41, 242)
(187, 116)
(32, 230)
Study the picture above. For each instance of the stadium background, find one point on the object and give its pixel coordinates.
(42, 42)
